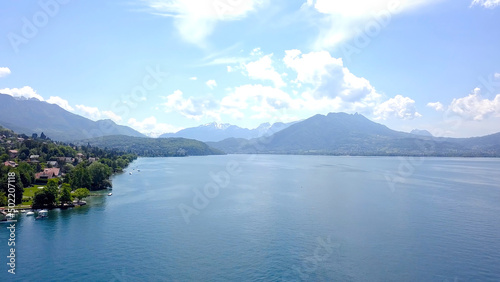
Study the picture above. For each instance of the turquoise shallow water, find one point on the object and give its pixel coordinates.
(274, 218)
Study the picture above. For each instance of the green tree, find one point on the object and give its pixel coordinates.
(47, 196)
(65, 195)
(42, 198)
(26, 173)
(81, 193)
(52, 187)
(100, 173)
(4, 158)
(80, 177)
(3, 199)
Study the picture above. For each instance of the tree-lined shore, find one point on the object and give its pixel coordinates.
(63, 169)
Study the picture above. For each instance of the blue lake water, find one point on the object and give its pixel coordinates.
(274, 218)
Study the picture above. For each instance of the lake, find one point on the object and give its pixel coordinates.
(274, 218)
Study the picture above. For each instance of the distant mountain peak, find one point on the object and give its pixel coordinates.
(216, 125)
(213, 132)
(421, 132)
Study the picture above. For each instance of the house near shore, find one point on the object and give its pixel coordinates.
(48, 173)
(13, 154)
(10, 163)
(62, 160)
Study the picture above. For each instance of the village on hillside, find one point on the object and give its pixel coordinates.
(51, 174)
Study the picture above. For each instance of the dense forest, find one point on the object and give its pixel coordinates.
(63, 168)
(154, 147)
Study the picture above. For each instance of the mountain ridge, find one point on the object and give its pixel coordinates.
(29, 116)
(345, 134)
(214, 132)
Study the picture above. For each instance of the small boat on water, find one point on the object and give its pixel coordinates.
(79, 203)
(109, 194)
(130, 173)
(30, 213)
(42, 214)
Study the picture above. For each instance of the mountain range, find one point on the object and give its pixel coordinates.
(214, 132)
(332, 134)
(30, 116)
(345, 134)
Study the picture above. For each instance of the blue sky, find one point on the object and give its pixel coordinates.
(163, 65)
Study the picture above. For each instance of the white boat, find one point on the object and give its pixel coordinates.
(42, 214)
(109, 194)
(130, 173)
(30, 213)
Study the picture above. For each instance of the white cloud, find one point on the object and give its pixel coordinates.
(25, 92)
(94, 113)
(497, 75)
(329, 78)
(60, 102)
(256, 52)
(436, 106)
(193, 108)
(343, 20)
(263, 69)
(264, 101)
(211, 84)
(4, 71)
(193, 78)
(151, 127)
(196, 19)
(111, 115)
(398, 107)
(490, 4)
(474, 107)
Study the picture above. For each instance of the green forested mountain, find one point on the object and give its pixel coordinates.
(153, 147)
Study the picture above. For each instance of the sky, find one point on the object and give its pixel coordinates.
(163, 65)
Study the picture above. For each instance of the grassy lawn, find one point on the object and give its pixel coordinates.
(29, 193)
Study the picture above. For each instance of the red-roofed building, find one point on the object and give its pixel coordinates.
(48, 173)
(10, 163)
